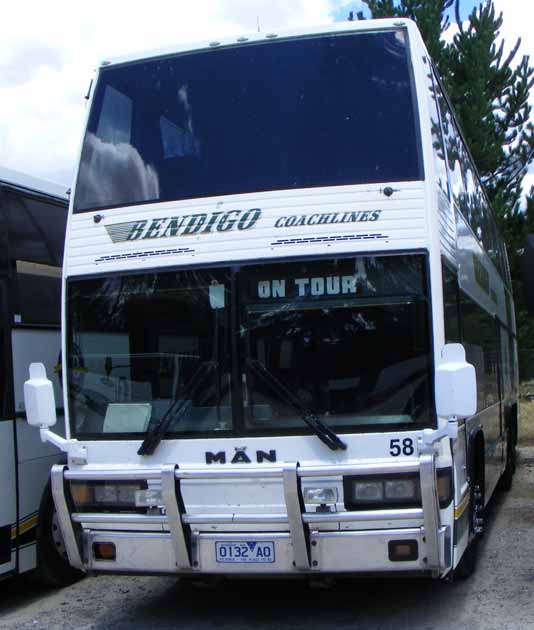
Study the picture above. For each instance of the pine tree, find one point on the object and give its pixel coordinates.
(490, 97)
(489, 92)
(529, 213)
(430, 16)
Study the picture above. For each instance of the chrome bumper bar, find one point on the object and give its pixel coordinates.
(299, 522)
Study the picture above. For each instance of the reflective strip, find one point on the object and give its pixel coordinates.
(25, 525)
(460, 508)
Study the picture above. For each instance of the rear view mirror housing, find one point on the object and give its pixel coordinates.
(456, 384)
(39, 398)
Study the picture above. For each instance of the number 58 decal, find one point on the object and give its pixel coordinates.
(401, 447)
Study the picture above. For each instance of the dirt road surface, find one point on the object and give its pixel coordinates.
(499, 596)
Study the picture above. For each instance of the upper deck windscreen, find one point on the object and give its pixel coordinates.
(321, 111)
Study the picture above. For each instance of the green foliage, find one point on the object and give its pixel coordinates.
(529, 214)
(490, 97)
(489, 91)
(429, 15)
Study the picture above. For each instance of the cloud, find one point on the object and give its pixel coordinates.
(48, 60)
(50, 50)
(26, 60)
(116, 172)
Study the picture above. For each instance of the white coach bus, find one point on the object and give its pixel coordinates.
(281, 275)
(33, 215)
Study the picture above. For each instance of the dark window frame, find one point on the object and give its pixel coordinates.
(236, 388)
(10, 292)
(415, 114)
(504, 269)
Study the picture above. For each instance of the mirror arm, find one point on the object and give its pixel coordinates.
(53, 438)
(76, 452)
(449, 430)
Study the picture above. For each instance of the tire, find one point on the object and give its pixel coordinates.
(53, 568)
(468, 562)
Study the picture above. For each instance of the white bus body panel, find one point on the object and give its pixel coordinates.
(400, 224)
(34, 457)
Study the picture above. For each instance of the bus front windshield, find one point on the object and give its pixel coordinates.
(218, 349)
(326, 110)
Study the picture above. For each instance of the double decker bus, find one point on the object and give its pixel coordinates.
(33, 215)
(287, 316)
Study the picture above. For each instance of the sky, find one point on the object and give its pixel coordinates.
(49, 51)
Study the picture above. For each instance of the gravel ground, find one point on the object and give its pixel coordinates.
(499, 596)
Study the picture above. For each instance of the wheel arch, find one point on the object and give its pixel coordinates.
(476, 457)
(511, 422)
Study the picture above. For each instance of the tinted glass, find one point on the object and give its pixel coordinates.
(506, 364)
(350, 341)
(320, 111)
(468, 192)
(438, 141)
(38, 299)
(450, 306)
(481, 342)
(6, 376)
(349, 337)
(36, 231)
(141, 344)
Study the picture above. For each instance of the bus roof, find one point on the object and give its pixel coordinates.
(32, 184)
(338, 27)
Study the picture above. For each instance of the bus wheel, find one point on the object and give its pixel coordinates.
(53, 568)
(467, 565)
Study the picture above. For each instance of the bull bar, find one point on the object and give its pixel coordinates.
(178, 521)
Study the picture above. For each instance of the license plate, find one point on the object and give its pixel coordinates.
(245, 551)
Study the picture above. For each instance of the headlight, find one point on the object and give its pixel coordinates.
(365, 492)
(148, 498)
(393, 491)
(320, 495)
(368, 491)
(104, 496)
(402, 489)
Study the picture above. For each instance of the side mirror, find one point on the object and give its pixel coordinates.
(39, 398)
(456, 384)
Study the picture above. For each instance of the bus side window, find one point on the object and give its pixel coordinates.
(481, 342)
(514, 365)
(438, 142)
(453, 146)
(36, 235)
(506, 364)
(450, 305)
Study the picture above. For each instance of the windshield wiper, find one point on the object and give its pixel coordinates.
(324, 433)
(177, 409)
